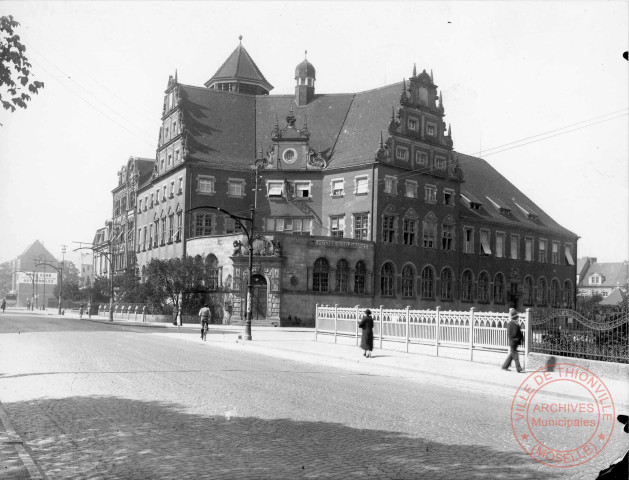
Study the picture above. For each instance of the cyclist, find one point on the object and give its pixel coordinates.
(204, 315)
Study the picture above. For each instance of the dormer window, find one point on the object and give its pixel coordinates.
(274, 189)
(303, 189)
(448, 196)
(471, 201)
(528, 212)
(501, 207)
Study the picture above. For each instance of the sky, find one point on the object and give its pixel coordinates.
(538, 89)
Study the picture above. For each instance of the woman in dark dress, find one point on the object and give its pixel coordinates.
(366, 338)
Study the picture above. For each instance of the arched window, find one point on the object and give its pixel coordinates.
(320, 276)
(528, 291)
(211, 272)
(429, 231)
(467, 286)
(555, 293)
(408, 281)
(342, 276)
(387, 275)
(541, 291)
(567, 294)
(428, 283)
(446, 284)
(499, 288)
(360, 277)
(483, 287)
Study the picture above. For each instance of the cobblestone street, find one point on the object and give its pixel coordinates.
(103, 401)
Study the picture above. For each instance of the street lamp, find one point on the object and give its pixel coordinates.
(109, 256)
(60, 272)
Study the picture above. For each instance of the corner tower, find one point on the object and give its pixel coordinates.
(305, 87)
(240, 74)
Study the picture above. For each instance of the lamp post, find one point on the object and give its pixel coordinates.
(60, 272)
(109, 256)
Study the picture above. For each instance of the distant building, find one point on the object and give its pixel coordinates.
(34, 283)
(360, 199)
(610, 279)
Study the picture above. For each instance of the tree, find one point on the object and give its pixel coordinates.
(6, 278)
(169, 281)
(15, 74)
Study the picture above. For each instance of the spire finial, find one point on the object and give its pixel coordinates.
(240, 38)
(392, 112)
(305, 54)
(175, 75)
(381, 140)
(414, 69)
(404, 85)
(431, 77)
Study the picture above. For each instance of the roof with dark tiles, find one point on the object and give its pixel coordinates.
(613, 273)
(240, 66)
(220, 126)
(482, 180)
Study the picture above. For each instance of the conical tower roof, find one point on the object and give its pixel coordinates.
(240, 67)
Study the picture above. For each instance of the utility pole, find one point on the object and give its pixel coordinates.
(63, 261)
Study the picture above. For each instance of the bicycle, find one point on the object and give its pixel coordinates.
(204, 329)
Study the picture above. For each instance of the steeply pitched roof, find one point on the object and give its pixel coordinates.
(482, 180)
(220, 126)
(240, 66)
(325, 115)
(614, 298)
(614, 274)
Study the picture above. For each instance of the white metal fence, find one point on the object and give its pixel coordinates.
(466, 329)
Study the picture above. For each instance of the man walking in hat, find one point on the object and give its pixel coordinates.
(514, 334)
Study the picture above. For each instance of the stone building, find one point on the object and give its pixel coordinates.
(32, 283)
(359, 198)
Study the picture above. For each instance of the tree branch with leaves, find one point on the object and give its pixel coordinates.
(16, 78)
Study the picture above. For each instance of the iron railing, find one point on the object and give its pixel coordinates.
(600, 333)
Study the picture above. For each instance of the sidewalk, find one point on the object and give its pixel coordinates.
(299, 344)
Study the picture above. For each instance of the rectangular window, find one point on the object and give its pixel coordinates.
(337, 226)
(440, 163)
(554, 259)
(302, 189)
(542, 251)
(411, 189)
(139, 239)
(468, 240)
(448, 196)
(409, 231)
(302, 226)
(172, 189)
(447, 237)
(412, 124)
(388, 228)
(151, 236)
(485, 249)
(361, 185)
(274, 189)
(171, 227)
(164, 189)
(430, 194)
(170, 160)
(236, 187)
(515, 247)
(174, 130)
(140, 206)
(421, 158)
(146, 202)
(163, 231)
(500, 245)
(176, 156)
(528, 249)
(203, 224)
(361, 227)
(338, 188)
(390, 185)
(568, 253)
(430, 128)
(144, 238)
(179, 224)
(401, 153)
(205, 184)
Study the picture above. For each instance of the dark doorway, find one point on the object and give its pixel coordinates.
(258, 302)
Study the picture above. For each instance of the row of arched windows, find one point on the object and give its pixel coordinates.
(471, 288)
(321, 276)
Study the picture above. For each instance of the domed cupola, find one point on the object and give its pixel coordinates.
(305, 86)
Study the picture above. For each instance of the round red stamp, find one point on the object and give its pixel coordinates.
(562, 415)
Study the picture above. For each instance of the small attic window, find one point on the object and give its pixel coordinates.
(530, 214)
(471, 202)
(501, 207)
